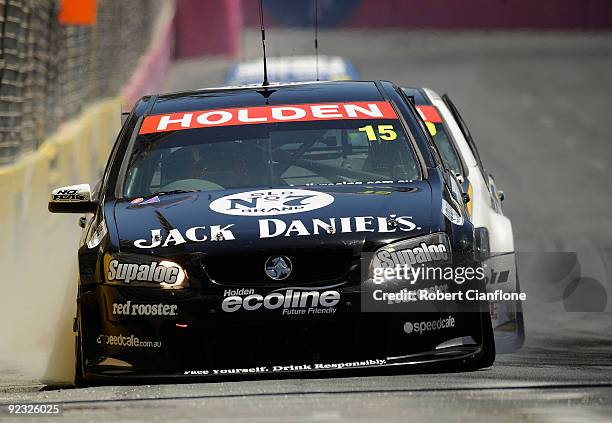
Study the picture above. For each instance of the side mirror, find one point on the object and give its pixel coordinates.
(501, 195)
(72, 199)
(465, 197)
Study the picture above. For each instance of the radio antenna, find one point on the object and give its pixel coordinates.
(263, 43)
(316, 22)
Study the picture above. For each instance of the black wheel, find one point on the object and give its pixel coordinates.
(79, 377)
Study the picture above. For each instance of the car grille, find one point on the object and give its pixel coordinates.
(308, 268)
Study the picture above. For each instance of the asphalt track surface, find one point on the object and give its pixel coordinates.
(538, 106)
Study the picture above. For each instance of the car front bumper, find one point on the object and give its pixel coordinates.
(131, 332)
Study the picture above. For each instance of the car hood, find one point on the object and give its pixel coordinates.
(360, 217)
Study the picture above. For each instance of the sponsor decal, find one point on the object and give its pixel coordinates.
(424, 253)
(290, 301)
(69, 195)
(159, 309)
(195, 234)
(267, 114)
(324, 184)
(375, 192)
(422, 327)
(126, 341)
(429, 114)
(272, 228)
(151, 200)
(238, 371)
(74, 193)
(389, 264)
(154, 272)
(376, 362)
(271, 202)
(289, 368)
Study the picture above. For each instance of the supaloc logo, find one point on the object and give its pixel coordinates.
(162, 272)
(421, 254)
(271, 202)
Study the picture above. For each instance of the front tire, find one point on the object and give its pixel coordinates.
(79, 376)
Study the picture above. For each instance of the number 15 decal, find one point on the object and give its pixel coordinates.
(385, 132)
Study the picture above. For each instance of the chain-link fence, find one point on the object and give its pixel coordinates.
(49, 71)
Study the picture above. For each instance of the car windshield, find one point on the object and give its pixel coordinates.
(318, 152)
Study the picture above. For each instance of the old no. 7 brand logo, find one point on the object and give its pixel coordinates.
(271, 202)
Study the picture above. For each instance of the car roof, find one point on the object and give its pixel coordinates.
(259, 95)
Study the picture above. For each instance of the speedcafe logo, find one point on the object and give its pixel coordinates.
(271, 202)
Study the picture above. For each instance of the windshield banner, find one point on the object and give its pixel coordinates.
(429, 114)
(267, 114)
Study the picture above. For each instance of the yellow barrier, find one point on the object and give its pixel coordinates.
(38, 249)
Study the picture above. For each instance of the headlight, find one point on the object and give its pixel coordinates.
(431, 249)
(138, 270)
(96, 236)
(453, 215)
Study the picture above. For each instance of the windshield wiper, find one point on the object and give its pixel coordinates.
(174, 191)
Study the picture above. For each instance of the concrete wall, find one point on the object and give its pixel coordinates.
(38, 249)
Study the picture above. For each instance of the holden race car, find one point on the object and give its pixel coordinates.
(494, 230)
(276, 229)
(293, 69)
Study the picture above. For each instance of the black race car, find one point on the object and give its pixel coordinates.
(265, 230)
